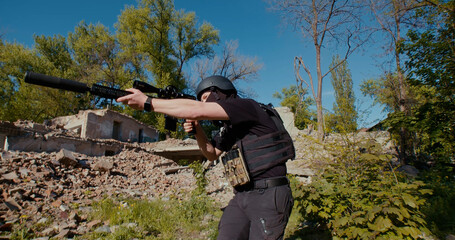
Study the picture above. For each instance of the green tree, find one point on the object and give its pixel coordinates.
(383, 90)
(6, 84)
(190, 41)
(99, 59)
(163, 40)
(144, 34)
(159, 41)
(22, 101)
(299, 104)
(330, 122)
(393, 18)
(344, 106)
(55, 50)
(432, 69)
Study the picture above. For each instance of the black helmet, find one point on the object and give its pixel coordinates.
(220, 82)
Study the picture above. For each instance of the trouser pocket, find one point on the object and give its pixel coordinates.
(271, 214)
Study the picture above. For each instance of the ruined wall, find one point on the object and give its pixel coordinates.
(73, 123)
(110, 124)
(107, 124)
(288, 120)
(40, 143)
(33, 137)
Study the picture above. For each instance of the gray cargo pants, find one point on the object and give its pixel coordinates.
(257, 214)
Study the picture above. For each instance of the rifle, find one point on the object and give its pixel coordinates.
(170, 92)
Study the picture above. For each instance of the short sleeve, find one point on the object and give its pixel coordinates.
(240, 111)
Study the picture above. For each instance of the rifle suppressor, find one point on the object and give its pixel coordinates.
(74, 86)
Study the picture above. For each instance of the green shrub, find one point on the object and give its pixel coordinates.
(199, 173)
(440, 210)
(360, 196)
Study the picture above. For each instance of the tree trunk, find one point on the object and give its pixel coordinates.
(318, 99)
(402, 97)
(403, 109)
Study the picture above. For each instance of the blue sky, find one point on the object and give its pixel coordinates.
(259, 33)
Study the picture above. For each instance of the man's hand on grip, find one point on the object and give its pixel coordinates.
(190, 125)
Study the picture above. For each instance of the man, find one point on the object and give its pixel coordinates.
(253, 146)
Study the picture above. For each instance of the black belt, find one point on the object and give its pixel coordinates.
(263, 184)
(270, 182)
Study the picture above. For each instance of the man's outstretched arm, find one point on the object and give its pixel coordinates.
(179, 108)
(186, 109)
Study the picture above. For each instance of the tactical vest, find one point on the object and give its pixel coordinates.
(264, 152)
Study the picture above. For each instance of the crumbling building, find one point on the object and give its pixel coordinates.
(91, 132)
(107, 124)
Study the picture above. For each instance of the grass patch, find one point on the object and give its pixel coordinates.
(193, 218)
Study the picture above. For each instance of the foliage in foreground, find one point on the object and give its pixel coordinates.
(360, 196)
(440, 210)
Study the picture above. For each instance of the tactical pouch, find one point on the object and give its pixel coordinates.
(235, 167)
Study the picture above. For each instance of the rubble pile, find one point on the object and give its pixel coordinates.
(37, 186)
(60, 187)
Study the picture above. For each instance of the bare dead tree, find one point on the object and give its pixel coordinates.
(324, 22)
(229, 64)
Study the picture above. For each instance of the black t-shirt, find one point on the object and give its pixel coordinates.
(246, 117)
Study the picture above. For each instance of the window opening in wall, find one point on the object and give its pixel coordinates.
(116, 130)
(141, 136)
(108, 153)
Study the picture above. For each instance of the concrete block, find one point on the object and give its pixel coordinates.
(66, 158)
